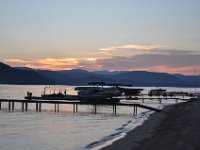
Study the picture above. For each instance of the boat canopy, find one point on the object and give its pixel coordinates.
(108, 84)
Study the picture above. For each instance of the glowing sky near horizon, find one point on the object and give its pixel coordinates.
(152, 35)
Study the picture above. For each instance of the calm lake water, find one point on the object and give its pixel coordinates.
(64, 130)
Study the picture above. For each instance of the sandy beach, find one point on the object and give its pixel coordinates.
(177, 127)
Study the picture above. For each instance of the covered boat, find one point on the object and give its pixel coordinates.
(98, 93)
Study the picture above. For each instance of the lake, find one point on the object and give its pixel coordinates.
(64, 130)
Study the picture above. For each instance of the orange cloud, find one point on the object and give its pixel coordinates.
(142, 47)
(91, 59)
(58, 64)
(47, 67)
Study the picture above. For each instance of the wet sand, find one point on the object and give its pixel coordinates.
(177, 127)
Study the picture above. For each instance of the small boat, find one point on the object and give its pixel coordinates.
(98, 94)
(54, 96)
(176, 93)
(157, 92)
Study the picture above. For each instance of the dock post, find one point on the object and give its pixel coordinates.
(176, 100)
(160, 101)
(40, 107)
(55, 107)
(22, 106)
(13, 105)
(0, 105)
(9, 105)
(36, 106)
(76, 107)
(115, 109)
(73, 108)
(58, 107)
(136, 110)
(26, 107)
(142, 98)
(95, 108)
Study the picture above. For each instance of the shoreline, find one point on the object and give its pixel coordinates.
(147, 135)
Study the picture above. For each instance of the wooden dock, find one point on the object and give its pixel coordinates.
(144, 97)
(75, 104)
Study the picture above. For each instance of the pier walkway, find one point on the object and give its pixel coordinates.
(56, 103)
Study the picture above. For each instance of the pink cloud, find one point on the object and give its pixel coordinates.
(153, 62)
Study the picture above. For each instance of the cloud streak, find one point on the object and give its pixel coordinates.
(138, 47)
(57, 64)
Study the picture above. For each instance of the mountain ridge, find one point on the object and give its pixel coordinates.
(82, 77)
(9, 75)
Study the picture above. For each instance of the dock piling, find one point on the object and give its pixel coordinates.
(160, 101)
(13, 105)
(73, 108)
(134, 110)
(22, 106)
(142, 98)
(40, 107)
(9, 105)
(26, 106)
(76, 107)
(58, 107)
(115, 109)
(36, 106)
(55, 107)
(95, 108)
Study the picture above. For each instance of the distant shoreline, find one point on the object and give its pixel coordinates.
(87, 85)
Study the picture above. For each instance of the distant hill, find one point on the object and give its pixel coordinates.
(24, 68)
(105, 72)
(189, 79)
(144, 78)
(76, 73)
(137, 78)
(9, 75)
(73, 77)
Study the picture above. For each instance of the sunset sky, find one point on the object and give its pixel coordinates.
(151, 35)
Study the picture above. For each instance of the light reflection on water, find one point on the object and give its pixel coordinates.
(63, 130)
(31, 130)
